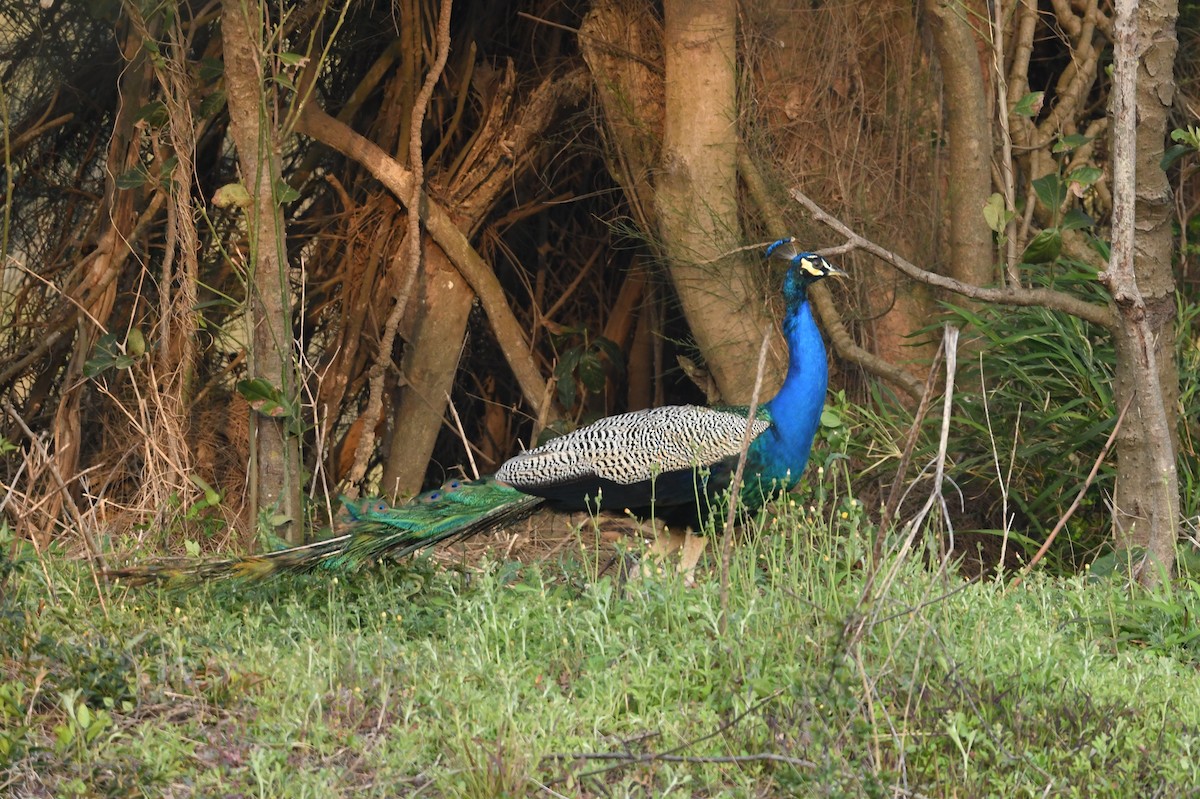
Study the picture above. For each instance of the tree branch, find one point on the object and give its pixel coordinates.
(1046, 298)
(383, 361)
(822, 300)
(316, 123)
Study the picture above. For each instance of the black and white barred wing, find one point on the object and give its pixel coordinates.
(634, 447)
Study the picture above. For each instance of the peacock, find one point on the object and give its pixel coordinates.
(670, 464)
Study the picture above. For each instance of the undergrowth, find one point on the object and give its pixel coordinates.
(553, 681)
(1031, 415)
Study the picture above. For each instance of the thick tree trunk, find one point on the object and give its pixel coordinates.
(275, 479)
(696, 196)
(1146, 499)
(969, 130)
(430, 364)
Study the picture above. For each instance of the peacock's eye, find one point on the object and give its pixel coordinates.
(432, 496)
(379, 506)
(452, 485)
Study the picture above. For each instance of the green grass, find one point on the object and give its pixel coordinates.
(412, 680)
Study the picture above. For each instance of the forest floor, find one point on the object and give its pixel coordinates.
(478, 675)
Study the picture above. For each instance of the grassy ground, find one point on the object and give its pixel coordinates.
(543, 681)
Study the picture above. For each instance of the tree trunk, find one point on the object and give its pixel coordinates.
(696, 197)
(275, 475)
(1146, 498)
(430, 364)
(969, 130)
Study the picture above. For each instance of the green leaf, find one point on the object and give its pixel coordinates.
(211, 105)
(211, 69)
(1189, 136)
(293, 59)
(1173, 154)
(135, 342)
(284, 193)
(1050, 190)
(231, 194)
(1068, 143)
(212, 497)
(192, 548)
(63, 735)
(830, 418)
(612, 352)
(995, 214)
(567, 392)
(154, 113)
(565, 368)
(1085, 175)
(1075, 219)
(165, 170)
(591, 372)
(1044, 248)
(1030, 104)
(264, 397)
(135, 177)
(108, 355)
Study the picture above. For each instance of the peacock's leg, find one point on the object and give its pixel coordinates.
(689, 546)
(666, 543)
(693, 548)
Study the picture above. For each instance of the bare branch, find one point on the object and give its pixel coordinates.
(1046, 298)
(316, 123)
(822, 300)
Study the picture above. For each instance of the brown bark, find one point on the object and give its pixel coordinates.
(275, 479)
(622, 46)
(512, 126)
(968, 128)
(430, 364)
(95, 287)
(327, 130)
(1146, 498)
(696, 197)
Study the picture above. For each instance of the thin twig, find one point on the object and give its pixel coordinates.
(736, 486)
(629, 757)
(720, 730)
(869, 592)
(462, 434)
(1012, 295)
(1112, 436)
(94, 555)
(893, 500)
(383, 361)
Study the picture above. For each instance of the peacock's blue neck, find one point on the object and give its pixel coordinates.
(782, 452)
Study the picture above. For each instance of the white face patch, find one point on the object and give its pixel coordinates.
(812, 267)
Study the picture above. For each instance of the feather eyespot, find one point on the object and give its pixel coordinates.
(453, 485)
(379, 506)
(432, 496)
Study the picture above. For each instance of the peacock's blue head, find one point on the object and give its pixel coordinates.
(805, 268)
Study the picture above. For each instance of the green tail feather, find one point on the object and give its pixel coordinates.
(376, 530)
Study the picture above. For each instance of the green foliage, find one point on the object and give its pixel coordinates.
(265, 398)
(1039, 420)
(408, 680)
(585, 364)
(1162, 619)
(1030, 105)
(113, 353)
(1187, 142)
